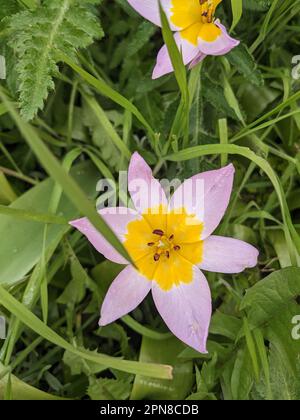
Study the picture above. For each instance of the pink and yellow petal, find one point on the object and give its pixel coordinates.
(192, 252)
(139, 235)
(146, 191)
(186, 310)
(168, 272)
(186, 228)
(185, 13)
(164, 65)
(173, 271)
(200, 57)
(213, 39)
(156, 217)
(228, 255)
(149, 9)
(126, 292)
(117, 218)
(207, 196)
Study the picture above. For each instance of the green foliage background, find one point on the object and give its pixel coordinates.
(77, 101)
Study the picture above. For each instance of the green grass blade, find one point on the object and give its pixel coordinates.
(237, 11)
(108, 127)
(67, 183)
(223, 133)
(32, 216)
(175, 55)
(29, 319)
(106, 90)
(252, 349)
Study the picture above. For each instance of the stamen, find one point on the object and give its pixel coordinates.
(171, 237)
(156, 257)
(207, 10)
(210, 16)
(151, 243)
(167, 254)
(158, 232)
(177, 248)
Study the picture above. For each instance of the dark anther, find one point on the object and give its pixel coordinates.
(158, 232)
(151, 243)
(177, 248)
(156, 257)
(171, 237)
(167, 254)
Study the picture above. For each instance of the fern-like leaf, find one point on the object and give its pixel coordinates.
(8, 8)
(38, 36)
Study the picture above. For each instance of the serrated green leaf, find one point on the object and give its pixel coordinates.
(241, 58)
(109, 389)
(268, 298)
(37, 36)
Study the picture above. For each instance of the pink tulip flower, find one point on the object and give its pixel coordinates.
(197, 32)
(170, 243)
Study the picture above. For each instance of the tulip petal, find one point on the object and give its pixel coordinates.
(164, 65)
(227, 255)
(117, 218)
(146, 191)
(149, 9)
(200, 57)
(186, 310)
(221, 45)
(126, 292)
(206, 195)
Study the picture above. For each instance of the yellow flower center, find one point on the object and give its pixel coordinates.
(197, 19)
(165, 245)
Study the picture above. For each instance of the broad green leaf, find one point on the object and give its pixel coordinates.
(256, 99)
(272, 303)
(20, 390)
(279, 334)
(223, 351)
(237, 11)
(225, 325)
(24, 238)
(241, 58)
(271, 296)
(214, 94)
(283, 385)
(278, 242)
(165, 352)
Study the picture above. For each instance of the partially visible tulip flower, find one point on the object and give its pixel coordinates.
(197, 32)
(170, 242)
